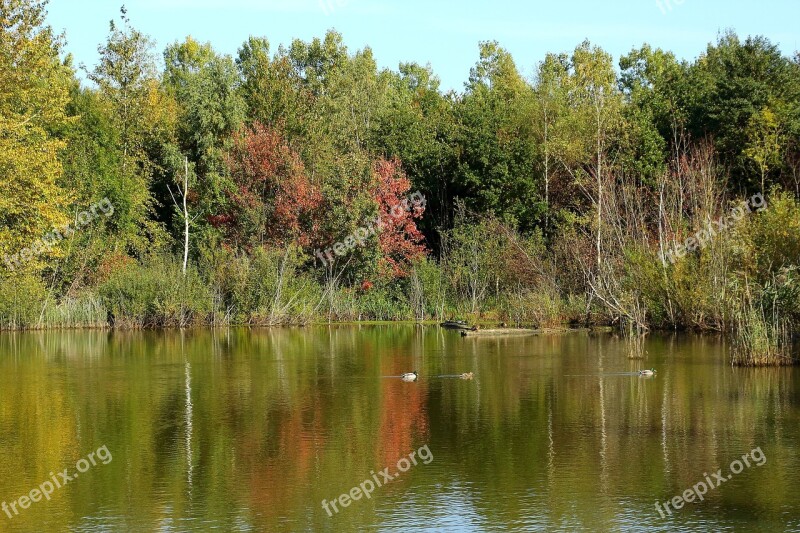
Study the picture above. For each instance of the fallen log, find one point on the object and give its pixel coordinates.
(516, 332)
(456, 324)
(495, 332)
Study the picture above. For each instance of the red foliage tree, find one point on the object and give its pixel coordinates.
(273, 200)
(400, 240)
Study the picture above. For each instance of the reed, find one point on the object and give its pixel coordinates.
(763, 337)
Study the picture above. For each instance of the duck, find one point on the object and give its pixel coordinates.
(467, 375)
(409, 376)
(651, 372)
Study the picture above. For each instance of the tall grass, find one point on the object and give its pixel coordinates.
(86, 310)
(21, 301)
(763, 337)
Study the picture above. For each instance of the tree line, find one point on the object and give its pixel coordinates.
(548, 200)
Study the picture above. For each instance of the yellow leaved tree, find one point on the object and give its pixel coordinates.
(34, 90)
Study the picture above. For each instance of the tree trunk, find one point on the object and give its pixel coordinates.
(185, 215)
(546, 173)
(599, 184)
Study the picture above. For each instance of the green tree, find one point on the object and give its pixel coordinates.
(127, 82)
(734, 81)
(658, 88)
(210, 109)
(497, 165)
(417, 125)
(92, 172)
(765, 142)
(595, 119)
(549, 107)
(274, 91)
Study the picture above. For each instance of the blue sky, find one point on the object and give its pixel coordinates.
(440, 32)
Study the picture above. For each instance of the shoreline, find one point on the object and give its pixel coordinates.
(481, 333)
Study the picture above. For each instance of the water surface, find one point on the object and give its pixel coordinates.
(250, 430)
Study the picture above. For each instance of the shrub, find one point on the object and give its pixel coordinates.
(384, 302)
(267, 288)
(427, 289)
(155, 294)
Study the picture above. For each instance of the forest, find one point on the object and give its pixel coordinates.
(299, 182)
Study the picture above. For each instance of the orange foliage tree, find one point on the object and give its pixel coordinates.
(400, 240)
(273, 200)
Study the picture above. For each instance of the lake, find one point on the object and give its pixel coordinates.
(301, 429)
